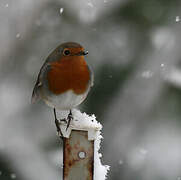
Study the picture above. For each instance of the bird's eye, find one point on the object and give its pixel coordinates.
(66, 52)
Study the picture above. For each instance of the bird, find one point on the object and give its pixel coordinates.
(64, 80)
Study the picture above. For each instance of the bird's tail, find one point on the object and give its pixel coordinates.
(35, 96)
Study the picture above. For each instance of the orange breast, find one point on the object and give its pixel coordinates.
(70, 73)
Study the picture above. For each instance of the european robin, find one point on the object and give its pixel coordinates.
(64, 80)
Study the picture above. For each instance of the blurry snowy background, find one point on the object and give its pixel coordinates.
(135, 51)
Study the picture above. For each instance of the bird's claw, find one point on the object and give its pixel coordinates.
(59, 133)
(69, 118)
(63, 120)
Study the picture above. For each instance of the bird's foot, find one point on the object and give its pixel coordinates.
(63, 120)
(69, 118)
(59, 132)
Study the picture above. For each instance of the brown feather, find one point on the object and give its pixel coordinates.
(69, 73)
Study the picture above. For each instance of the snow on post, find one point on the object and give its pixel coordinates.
(82, 160)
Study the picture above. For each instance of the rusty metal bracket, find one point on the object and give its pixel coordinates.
(78, 157)
(78, 148)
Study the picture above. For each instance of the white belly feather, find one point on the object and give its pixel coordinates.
(65, 101)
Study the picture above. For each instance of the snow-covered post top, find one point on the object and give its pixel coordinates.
(81, 149)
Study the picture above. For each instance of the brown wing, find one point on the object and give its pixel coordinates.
(39, 83)
(35, 95)
(91, 76)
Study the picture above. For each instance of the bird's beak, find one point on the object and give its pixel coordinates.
(83, 53)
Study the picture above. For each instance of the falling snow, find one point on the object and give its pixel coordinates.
(177, 18)
(162, 65)
(7, 5)
(61, 10)
(90, 4)
(13, 176)
(18, 35)
(143, 151)
(147, 74)
(120, 162)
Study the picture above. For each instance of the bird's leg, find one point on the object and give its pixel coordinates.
(69, 118)
(57, 124)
